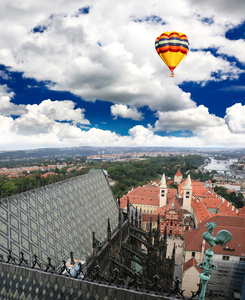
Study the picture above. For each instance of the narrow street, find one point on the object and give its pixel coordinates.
(179, 251)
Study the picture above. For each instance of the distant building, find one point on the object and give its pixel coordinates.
(158, 199)
(230, 259)
(190, 276)
(178, 177)
(184, 212)
(230, 186)
(205, 203)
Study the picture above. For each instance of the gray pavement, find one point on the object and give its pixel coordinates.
(179, 252)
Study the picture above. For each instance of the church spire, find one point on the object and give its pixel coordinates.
(187, 194)
(163, 192)
(163, 181)
(188, 184)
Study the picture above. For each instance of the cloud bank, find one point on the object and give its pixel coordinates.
(98, 50)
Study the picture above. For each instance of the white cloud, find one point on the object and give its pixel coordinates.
(233, 48)
(221, 136)
(13, 136)
(235, 118)
(202, 67)
(221, 9)
(123, 111)
(106, 54)
(113, 58)
(6, 107)
(33, 124)
(35, 119)
(194, 119)
(59, 110)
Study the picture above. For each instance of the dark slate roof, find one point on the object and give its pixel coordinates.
(56, 219)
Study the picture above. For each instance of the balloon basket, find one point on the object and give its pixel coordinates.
(172, 74)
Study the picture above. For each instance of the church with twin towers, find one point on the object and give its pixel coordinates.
(180, 209)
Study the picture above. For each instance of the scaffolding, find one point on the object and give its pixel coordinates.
(237, 284)
(228, 281)
(220, 280)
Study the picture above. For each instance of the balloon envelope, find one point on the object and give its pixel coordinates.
(172, 47)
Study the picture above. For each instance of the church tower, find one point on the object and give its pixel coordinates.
(187, 194)
(163, 192)
(178, 177)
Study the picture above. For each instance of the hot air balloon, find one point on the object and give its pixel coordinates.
(172, 47)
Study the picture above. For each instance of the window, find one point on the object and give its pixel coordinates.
(242, 258)
(171, 223)
(193, 254)
(186, 228)
(187, 196)
(225, 257)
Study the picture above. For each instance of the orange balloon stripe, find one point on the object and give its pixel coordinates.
(175, 34)
(183, 50)
(163, 49)
(174, 48)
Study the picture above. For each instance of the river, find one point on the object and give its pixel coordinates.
(221, 166)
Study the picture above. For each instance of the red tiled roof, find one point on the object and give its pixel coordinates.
(204, 198)
(235, 225)
(147, 217)
(141, 195)
(191, 263)
(173, 201)
(201, 206)
(145, 196)
(178, 173)
(200, 210)
(198, 189)
(171, 193)
(241, 212)
(160, 210)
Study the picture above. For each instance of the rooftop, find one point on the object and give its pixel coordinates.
(234, 224)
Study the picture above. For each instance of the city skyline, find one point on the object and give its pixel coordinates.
(86, 73)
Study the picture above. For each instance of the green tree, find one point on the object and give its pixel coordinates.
(9, 188)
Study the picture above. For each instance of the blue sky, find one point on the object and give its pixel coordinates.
(86, 73)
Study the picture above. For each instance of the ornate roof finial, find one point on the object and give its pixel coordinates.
(222, 237)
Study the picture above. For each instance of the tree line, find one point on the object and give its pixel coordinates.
(235, 198)
(126, 174)
(137, 173)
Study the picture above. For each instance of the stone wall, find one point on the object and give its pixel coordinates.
(53, 220)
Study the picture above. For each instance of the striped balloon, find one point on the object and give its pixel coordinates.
(172, 47)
